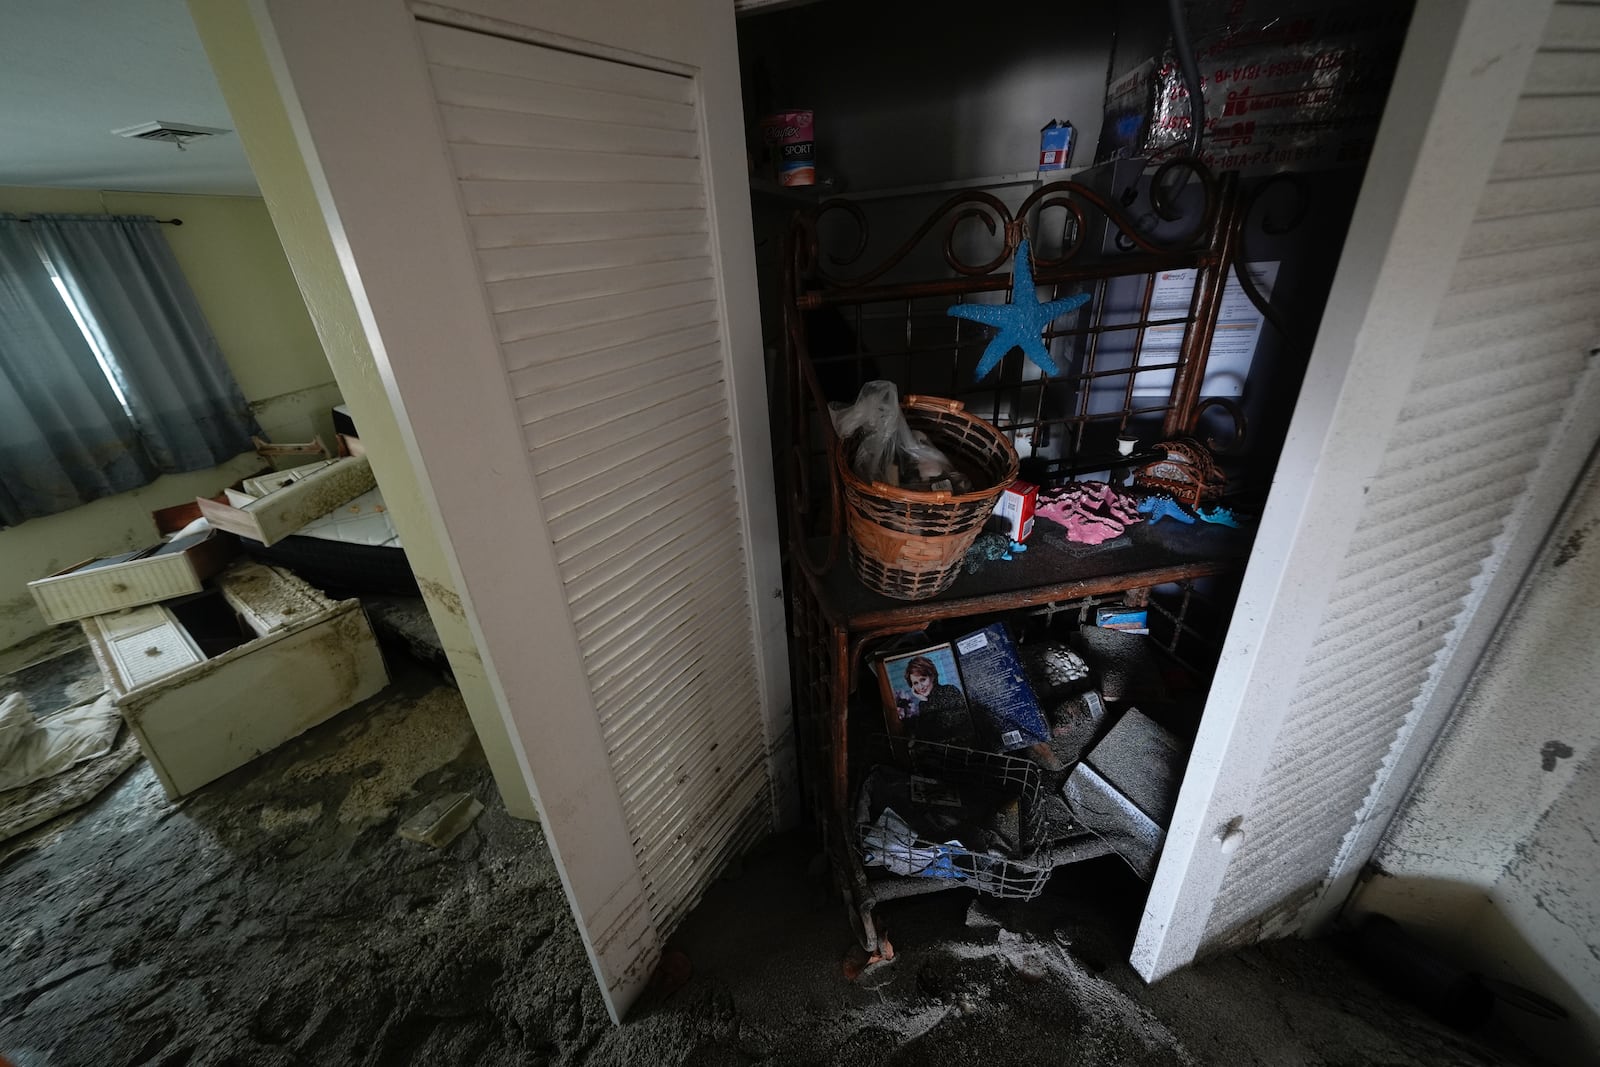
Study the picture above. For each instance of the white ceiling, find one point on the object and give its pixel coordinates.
(71, 71)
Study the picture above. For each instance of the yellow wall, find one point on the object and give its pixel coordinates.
(233, 261)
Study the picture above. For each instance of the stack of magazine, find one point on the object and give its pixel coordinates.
(970, 691)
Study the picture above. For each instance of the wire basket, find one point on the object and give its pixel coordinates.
(1004, 777)
(908, 544)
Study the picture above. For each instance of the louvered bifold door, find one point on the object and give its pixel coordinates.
(1501, 367)
(582, 182)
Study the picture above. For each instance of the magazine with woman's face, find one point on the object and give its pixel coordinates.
(923, 696)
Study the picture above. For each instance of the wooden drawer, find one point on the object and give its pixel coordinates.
(94, 587)
(213, 681)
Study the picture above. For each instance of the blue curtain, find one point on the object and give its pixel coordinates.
(163, 355)
(64, 437)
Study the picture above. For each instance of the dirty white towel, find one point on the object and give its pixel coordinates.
(891, 843)
(31, 750)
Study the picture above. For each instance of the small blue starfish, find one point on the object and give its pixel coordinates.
(1219, 516)
(1020, 322)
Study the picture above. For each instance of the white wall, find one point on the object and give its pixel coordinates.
(1497, 853)
(910, 93)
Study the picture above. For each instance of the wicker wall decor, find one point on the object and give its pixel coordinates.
(1188, 474)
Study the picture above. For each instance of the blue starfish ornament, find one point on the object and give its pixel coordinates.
(1020, 322)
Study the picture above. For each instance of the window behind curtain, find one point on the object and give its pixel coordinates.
(109, 373)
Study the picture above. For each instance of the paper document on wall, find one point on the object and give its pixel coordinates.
(1233, 344)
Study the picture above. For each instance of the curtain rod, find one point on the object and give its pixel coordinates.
(164, 222)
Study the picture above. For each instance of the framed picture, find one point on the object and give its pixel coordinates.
(923, 696)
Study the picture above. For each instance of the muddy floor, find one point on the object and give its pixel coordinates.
(274, 917)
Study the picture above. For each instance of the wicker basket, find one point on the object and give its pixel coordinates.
(910, 545)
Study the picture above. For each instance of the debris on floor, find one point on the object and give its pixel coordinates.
(1002, 984)
(56, 678)
(858, 961)
(403, 621)
(21, 810)
(32, 748)
(66, 675)
(443, 820)
(1425, 976)
(275, 917)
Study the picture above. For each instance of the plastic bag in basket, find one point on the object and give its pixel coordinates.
(883, 448)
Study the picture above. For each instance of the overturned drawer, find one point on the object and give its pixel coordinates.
(159, 572)
(210, 682)
(293, 500)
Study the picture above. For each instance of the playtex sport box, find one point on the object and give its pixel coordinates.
(790, 141)
(1002, 703)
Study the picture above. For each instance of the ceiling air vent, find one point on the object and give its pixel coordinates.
(178, 133)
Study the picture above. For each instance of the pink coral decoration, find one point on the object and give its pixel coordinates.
(1092, 512)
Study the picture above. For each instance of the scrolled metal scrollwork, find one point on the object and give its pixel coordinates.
(1241, 425)
(1272, 226)
(998, 220)
(1165, 202)
(969, 204)
(953, 258)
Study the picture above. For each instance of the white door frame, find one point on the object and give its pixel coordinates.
(354, 83)
(1458, 79)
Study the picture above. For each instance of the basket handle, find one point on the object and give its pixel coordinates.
(943, 403)
(936, 496)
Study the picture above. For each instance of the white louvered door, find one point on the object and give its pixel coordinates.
(583, 188)
(541, 213)
(1497, 416)
(1493, 412)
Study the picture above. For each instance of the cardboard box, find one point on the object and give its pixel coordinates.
(281, 512)
(1056, 142)
(1120, 617)
(1016, 505)
(210, 682)
(111, 583)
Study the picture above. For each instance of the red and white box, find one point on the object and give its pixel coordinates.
(1016, 506)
